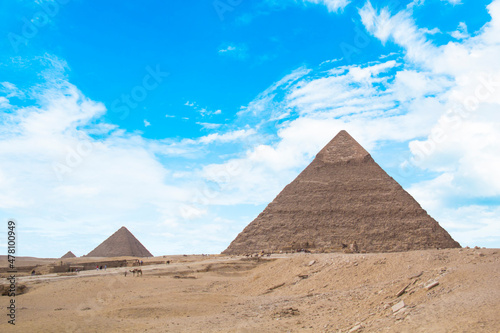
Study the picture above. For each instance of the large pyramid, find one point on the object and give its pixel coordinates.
(342, 197)
(121, 243)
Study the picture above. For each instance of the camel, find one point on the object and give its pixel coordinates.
(136, 271)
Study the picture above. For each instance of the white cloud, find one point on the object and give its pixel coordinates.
(399, 28)
(432, 31)
(4, 103)
(264, 107)
(383, 56)
(226, 137)
(461, 32)
(146, 123)
(346, 92)
(237, 51)
(475, 225)
(203, 111)
(330, 61)
(362, 74)
(415, 3)
(472, 224)
(209, 125)
(453, 2)
(410, 84)
(10, 90)
(332, 5)
(227, 49)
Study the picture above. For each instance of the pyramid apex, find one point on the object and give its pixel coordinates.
(69, 254)
(341, 149)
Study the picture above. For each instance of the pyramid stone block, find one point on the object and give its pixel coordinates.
(343, 197)
(121, 243)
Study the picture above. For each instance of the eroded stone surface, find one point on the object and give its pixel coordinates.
(342, 197)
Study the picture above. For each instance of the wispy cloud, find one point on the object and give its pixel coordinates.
(10, 90)
(203, 111)
(209, 125)
(229, 48)
(461, 32)
(332, 5)
(415, 3)
(432, 31)
(453, 2)
(226, 137)
(236, 51)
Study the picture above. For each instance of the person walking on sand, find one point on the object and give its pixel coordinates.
(105, 266)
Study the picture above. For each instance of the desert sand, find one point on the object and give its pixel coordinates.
(301, 292)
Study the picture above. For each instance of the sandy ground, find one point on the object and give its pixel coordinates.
(287, 293)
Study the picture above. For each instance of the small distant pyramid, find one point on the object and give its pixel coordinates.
(68, 255)
(342, 197)
(120, 244)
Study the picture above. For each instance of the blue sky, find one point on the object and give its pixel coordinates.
(182, 120)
